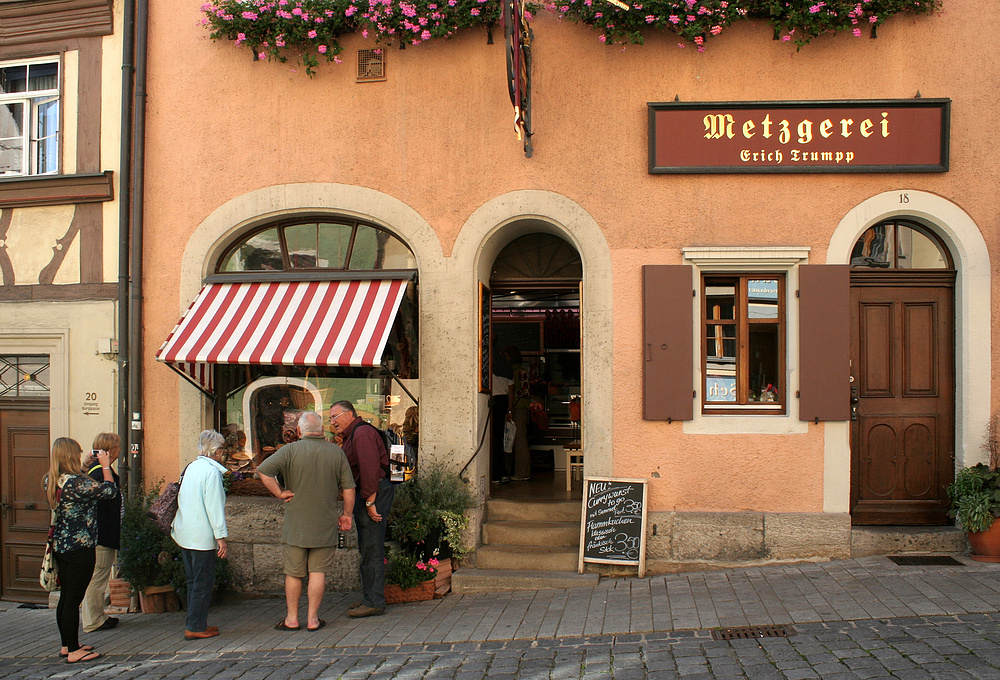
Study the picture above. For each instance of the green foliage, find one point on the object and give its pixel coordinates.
(274, 29)
(141, 543)
(434, 500)
(148, 557)
(975, 497)
(697, 20)
(407, 571)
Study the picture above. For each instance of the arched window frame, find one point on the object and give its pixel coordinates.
(299, 273)
(915, 226)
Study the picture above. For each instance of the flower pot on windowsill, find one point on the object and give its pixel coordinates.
(418, 593)
(159, 599)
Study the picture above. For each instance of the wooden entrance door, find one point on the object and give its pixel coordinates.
(903, 397)
(24, 515)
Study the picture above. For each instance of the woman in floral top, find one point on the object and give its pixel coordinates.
(74, 498)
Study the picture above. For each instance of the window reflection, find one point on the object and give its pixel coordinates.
(898, 245)
(762, 298)
(262, 251)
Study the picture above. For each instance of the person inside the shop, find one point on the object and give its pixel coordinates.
(518, 403)
(313, 470)
(370, 464)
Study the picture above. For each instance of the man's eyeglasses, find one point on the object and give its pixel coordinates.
(334, 416)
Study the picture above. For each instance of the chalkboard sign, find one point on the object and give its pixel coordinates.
(613, 530)
(485, 368)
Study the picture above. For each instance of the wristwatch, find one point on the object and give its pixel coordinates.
(368, 504)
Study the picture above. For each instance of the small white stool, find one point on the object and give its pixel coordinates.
(574, 466)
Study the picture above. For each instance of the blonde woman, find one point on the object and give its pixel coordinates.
(73, 497)
(109, 528)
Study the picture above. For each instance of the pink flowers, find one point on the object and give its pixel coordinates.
(311, 34)
(321, 49)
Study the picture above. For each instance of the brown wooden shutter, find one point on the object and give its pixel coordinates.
(824, 342)
(668, 352)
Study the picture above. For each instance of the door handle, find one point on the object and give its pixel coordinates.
(29, 506)
(4, 507)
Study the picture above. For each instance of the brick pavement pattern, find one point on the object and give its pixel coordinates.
(864, 618)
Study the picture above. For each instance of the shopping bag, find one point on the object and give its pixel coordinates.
(509, 430)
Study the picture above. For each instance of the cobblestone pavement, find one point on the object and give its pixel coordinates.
(848, 619)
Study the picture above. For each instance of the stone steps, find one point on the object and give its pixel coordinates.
(511, 532)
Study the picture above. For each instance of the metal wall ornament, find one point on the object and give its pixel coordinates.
(517, 38)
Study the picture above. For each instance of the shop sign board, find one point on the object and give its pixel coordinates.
(894, 135)
(613, 530)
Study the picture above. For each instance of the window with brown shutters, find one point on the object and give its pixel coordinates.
(743, 343)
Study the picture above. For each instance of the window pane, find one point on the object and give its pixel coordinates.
(874, 248)
(43, 76)
(13, 79)
(301, 242)
(334, 239)
(260, 252)
(916, 250)
(24, 376)
(47, 134)
(720, 299)
(764, 363)
(762, 299)
(11, 138)
(720, 364)
(376, 249)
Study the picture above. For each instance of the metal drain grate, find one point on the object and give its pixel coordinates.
(752, 632)
(925, 561)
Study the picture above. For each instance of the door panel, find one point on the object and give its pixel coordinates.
(24, 519)
(902, 438)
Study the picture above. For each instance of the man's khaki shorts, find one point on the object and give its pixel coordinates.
(302, 561)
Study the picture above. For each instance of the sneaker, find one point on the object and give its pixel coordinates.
(521, 479)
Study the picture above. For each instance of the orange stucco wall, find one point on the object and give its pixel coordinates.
(437, 135)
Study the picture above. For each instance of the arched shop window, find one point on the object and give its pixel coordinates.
(345, 285)
(899, 244)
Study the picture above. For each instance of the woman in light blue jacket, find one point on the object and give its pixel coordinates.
(199, 528)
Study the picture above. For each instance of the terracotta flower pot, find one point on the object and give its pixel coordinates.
(396, 595)
(159, 599)
(986, 544)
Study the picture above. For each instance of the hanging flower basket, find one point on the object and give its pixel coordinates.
(397, 595)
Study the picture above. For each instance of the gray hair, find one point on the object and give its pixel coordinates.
(310, 422)
(210, 441)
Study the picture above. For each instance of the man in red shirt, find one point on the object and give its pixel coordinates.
(370, 464)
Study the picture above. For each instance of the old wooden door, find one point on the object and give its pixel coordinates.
(903, 395)
(24, 515)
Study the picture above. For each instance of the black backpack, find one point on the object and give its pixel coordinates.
(390, 438)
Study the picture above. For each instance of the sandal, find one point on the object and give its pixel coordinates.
(89, 656)
(280, 625)
(87, 647)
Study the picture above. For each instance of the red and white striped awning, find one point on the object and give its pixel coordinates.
(301, 323)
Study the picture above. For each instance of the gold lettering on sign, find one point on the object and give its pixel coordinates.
(718, 125)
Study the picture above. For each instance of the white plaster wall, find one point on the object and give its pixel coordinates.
(68, 332)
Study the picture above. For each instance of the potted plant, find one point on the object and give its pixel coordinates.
(150, 561)
(143, 554)
(975, 499)
(428, 513)
(409, 578)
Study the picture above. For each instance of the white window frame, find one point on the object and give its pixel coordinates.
(31, 101)
(749, 260)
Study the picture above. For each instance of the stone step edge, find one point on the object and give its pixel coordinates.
(491, 580)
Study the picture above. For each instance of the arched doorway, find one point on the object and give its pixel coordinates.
(536, 344)
(903, 375)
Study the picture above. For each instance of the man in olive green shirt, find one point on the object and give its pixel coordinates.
(313, 469)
